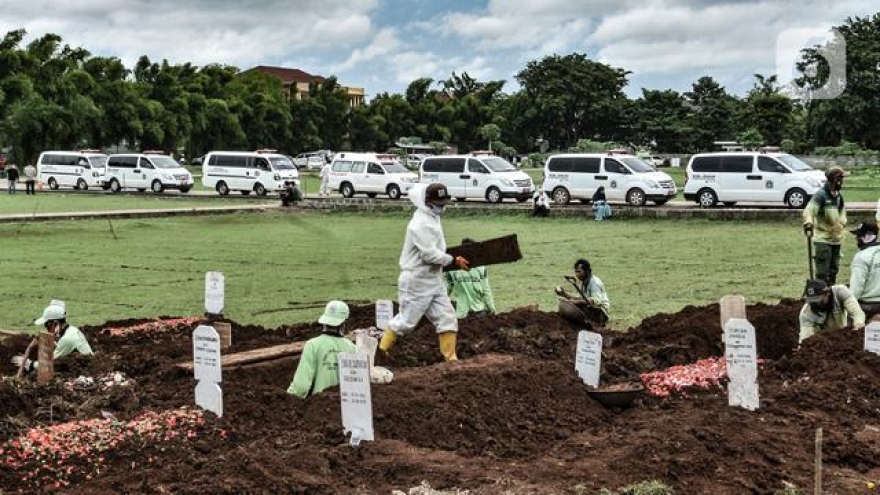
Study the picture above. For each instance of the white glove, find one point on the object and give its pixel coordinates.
(16, 360)
(29, 364)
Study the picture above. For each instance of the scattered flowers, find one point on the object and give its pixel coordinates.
(158, 324)
(55, 455)
(705, 374)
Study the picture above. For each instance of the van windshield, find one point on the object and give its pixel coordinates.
(98, 161)
(164, 162)
(497, 164)
(794, 163)
(394, 168)
(636, 165)
(280, 163)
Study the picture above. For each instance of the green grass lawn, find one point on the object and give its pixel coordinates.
(55, 202)
(275, 263)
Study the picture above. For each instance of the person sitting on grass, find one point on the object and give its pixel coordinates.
(291, 194)
(318, 369)
(601, 210)
(68, 337)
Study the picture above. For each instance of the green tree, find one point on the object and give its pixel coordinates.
(660, 120)
(490, 132)
(712, 114)
(768, 110)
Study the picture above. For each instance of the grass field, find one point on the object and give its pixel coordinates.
(56, 202)
(282, 267)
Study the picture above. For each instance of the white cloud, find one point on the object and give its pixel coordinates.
(384, 43)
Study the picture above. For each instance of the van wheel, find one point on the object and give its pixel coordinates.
(259, 189)
(157, 186)
(796, 198)
(393, 192)
(636, 197)
(493, 195)
(53, 184)
(222, 188)
(706, 198)
(561, 196)
(114, 186)
(346, 189)
(371, 195)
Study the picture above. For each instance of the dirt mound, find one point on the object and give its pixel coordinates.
(511, 417)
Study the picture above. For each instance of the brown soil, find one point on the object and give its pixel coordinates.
(511, 417)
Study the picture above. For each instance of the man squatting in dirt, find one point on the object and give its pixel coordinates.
(596, 306)
(825, 215)
(421, 289)
(864, 280)
(318, 368)
(68, 337)
(828, 308)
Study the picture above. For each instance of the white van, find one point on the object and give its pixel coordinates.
(150, 169)
(750, 176)
(260, 171)
(78, 169)
(486, 177)
(625, 177)
(370, 173)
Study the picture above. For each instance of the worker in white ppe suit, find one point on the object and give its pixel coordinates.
(421, 290)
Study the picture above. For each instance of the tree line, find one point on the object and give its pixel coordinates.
(53, 96)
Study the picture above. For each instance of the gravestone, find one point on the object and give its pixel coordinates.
(214, 292)
(872, 338)
(741, 356)
(588, 361)
(207, 368)
(384, 313)
(355, 397)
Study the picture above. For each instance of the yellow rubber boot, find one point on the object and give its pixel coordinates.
(447, 345)
(387, 341)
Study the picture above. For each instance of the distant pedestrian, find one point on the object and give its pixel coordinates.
(11, 177)
(325, 180)
(601, 210)
(30, 178)
(541, 203)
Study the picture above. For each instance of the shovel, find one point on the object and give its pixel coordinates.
(574, 282)
(810, 252)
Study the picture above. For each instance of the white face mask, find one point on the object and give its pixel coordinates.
(437, 210)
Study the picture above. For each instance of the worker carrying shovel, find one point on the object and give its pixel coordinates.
(68, 338)
(825, 223)
(591, 305)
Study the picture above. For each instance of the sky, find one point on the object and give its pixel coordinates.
(383, 45)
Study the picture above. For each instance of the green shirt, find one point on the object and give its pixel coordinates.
(72, 340)
(470, 290)
(318, 369)
(864, 280)
(844, 305)
(827, 215)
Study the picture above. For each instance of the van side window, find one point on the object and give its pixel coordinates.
(562, 164)
(358, 167)
(476, 167)
(263, 164)
(82, 162)
(767, 164)
(374, 168)
(123, 162)
(453, 165)
(146, 163)
(737, 164)
(585, 165)
(706, 164)
(613, 166)
(341, 166)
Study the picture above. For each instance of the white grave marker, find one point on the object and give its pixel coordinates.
(206, 364)
(214, 292)
(588, 361)
(384, 313)
(354, 394)
(872, 338)
(741, 355)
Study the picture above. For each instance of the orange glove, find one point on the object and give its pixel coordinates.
(461, 262)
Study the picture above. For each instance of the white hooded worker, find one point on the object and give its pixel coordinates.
(318, 368)
(68, 338)
(421, 289)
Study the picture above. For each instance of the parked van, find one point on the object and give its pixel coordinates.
(625, 177)
(78, 169)
(730, 177)
(150, 169)
(260, 171)
(370, 173)
(486, 177)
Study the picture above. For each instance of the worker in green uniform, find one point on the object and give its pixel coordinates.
(318, 369)
(69, 339)
(470, 290)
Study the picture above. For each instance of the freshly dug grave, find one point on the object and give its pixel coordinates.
(511, 417)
